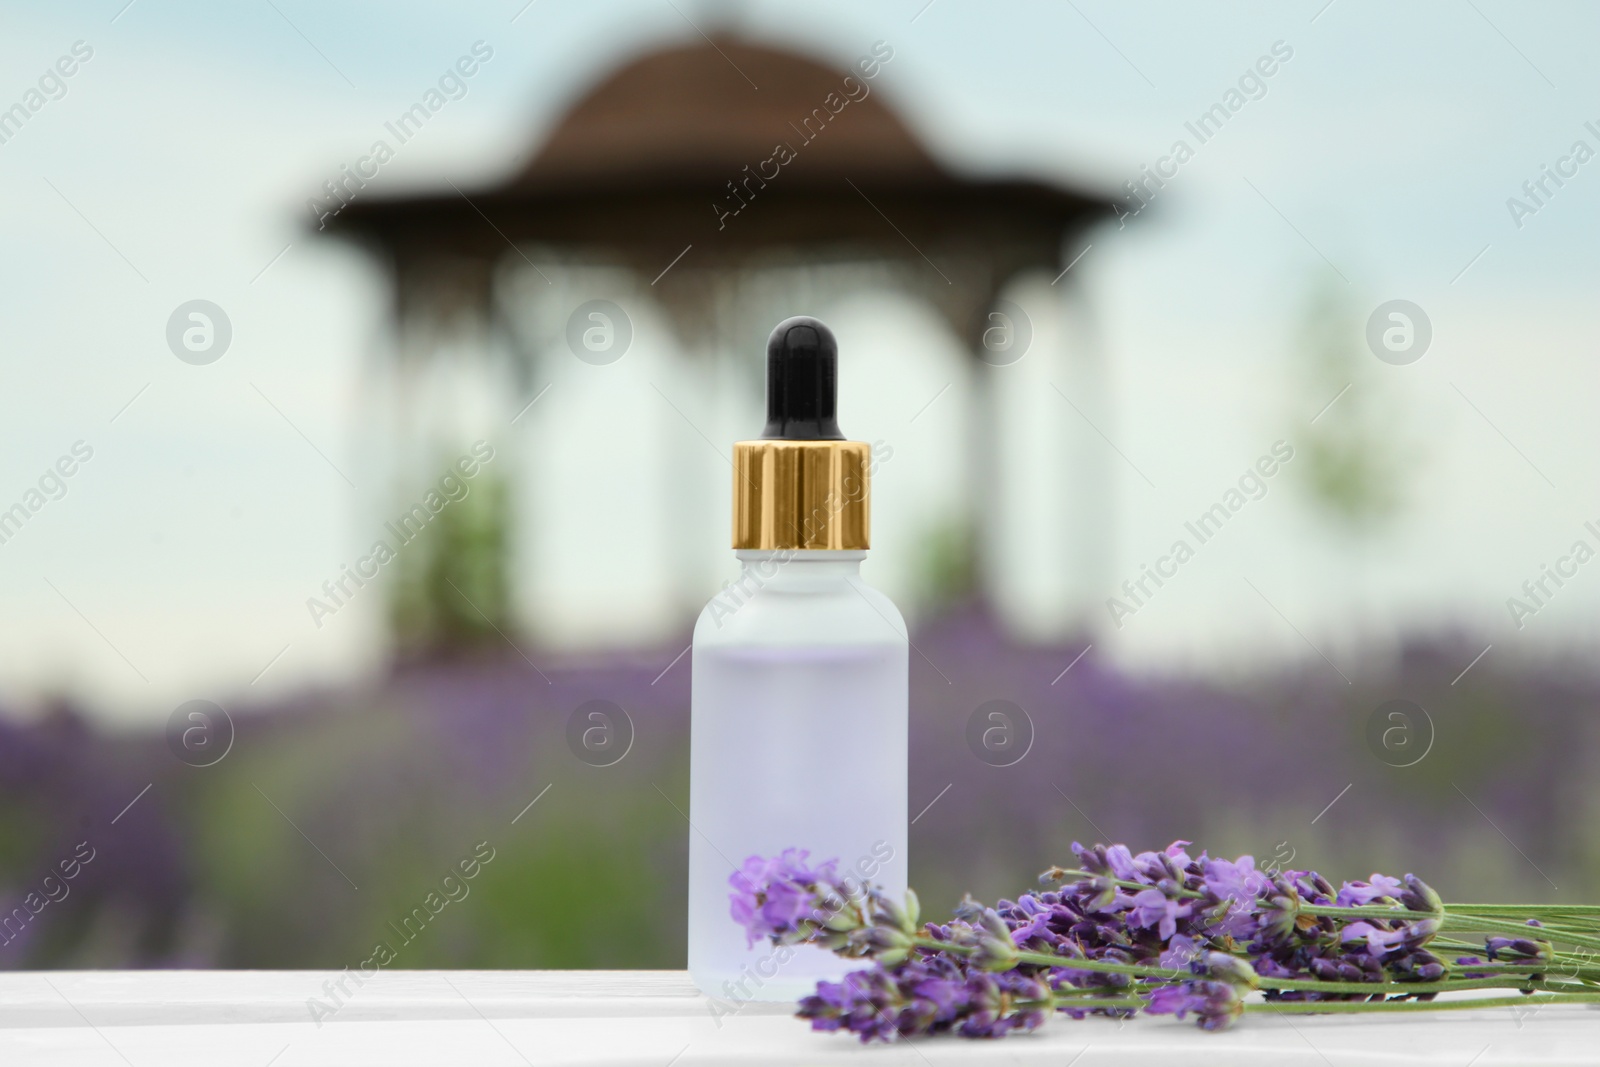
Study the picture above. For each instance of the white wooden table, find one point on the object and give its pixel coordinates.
(655, 1018)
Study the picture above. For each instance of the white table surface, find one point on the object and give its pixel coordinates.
(656, 1019)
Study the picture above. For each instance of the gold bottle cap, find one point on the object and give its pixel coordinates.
(802, 485)
(802, 495)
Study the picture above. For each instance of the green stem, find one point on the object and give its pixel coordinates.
(1532, 911)
(1471, 1004)
(1310, 985)
(1135, 1003)
(1348, 1007)
(1458, 923)
(1568, 961)
(1561, 966)
(1366, 911)
(1138, 970)
(1351, 1007)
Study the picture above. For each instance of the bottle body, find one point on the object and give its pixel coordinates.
(798, 739)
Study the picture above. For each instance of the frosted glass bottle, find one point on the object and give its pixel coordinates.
(799, 739)
(799, 681)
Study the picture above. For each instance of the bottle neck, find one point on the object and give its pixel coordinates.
(787, 568)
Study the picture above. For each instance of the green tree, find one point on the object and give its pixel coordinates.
(452, 591)
(1349, 459)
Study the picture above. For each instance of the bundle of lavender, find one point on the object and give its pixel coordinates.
(1161, 933)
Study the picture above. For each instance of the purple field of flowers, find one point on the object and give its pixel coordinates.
(332, 820)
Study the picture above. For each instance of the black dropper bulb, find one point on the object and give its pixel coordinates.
(802, 382)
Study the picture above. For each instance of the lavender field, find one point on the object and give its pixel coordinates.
(328, 827)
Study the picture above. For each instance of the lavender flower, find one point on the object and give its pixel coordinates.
(1359, 894)
(1226, 968)
(1277, 916)
(1171, 932)
(930, 995)
(1236, 880)
(1215, 1003)
(1383, 942)
(1180, 952)
(1418, 965)
(782, 898)
(1153, 907)
(788, 902)
(1419, 896)
(1517, 949)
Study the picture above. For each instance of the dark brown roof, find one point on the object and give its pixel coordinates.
(701, 113)
(641, 166)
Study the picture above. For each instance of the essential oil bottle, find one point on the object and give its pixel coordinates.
(799, 705)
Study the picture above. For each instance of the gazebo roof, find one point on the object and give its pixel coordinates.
(640, 168)
(689, 115)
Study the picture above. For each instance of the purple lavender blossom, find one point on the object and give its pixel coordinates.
(1152, 907)
(1517, 949)
(1215, 1003)
(1180, 952)
(1418, 965)
(1237, 880)
(1381, 943)
(930, 995)
(1119, 860)
(1216, 927)
(772, 897)
(1359, 894)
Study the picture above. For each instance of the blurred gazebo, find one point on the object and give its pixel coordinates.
(721, 186)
